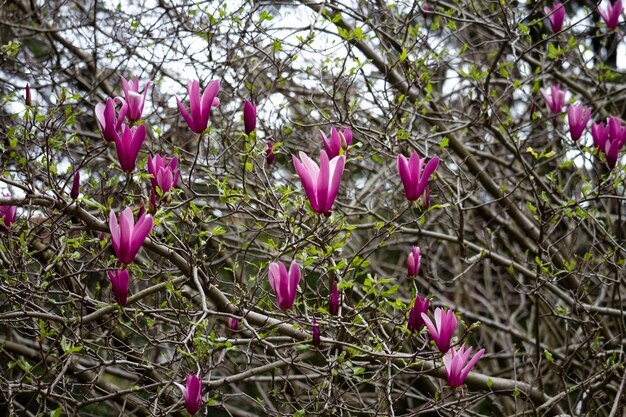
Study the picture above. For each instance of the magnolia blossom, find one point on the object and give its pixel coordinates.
(8, 213)
(600, 133)
(611, 13)
(555, 15)
(200, 105)
(128, 146)
(249, 116)
(321, 184)
(615, 128)
(609, 138)
(441, 332)
(457, 367)
(164, 175)
(119, 284)
(413, 262)
(133, 98)
(333, 300)
(577, 117)
(127, 237)
(415, 175)
(269, 153)
(192, 393)
(555, 99)
(284, 284)
(615, 139)
(338, 142)
(416, 322)
(109, 124)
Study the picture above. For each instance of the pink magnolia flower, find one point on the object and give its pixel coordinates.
(133, 99)
(455, 363)
(555, 99)
(8, 213)
(75, 186)
(415, 175)
(127, 237)
(416, 322)
(577, 117)
(164, 176)
(611, 13)
(109, 125)
(333, 300)
(192, 393)
(615, 140)
(338, 142)
(269, 153)
(200, 106)
(615, 128)
(600, 133)
(555, 15)
(426, 10)
(441, 332)
(249, 116)
(321, 184)
(317, 340)
(284, 284)
(128, 146)
(119, 283)
(413, 262)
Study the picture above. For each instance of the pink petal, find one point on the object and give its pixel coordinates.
(115, 232)
(188, 119)
(336, 169)
(307, 180)
(323, 180)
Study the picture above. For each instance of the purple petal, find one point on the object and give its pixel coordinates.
(140, 232)
(336, 168)
(188, 119)
(115, 232)
(323, 180)
(307, 179)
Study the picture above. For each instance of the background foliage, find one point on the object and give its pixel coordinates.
(527, 247)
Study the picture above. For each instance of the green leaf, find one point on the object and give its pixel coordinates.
(265, 16)
(403, 55)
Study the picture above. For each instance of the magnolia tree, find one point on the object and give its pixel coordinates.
(312, 208)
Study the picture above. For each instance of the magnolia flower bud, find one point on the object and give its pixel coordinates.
(27, 98)
(317, 341)
(75, 186)
(233, 324)
(249, 116)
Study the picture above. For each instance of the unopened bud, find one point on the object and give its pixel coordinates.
(28, 99)
(317, 341)
(233, 324)
(75, 186)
